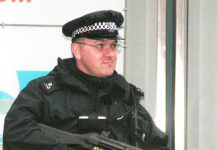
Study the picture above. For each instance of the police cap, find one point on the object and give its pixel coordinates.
(96, 25)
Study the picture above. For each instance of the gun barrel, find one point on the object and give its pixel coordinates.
(110, 143)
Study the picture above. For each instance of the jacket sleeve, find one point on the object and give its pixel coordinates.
(149, 133)
(153, 135)
(21, 131)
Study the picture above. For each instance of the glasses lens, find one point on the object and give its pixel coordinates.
(120, 46)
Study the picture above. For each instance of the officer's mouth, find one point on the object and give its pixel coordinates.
(110, 63)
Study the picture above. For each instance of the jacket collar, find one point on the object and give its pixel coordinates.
(68, 74)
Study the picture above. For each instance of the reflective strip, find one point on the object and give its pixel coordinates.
(102, 117)
(83, 117)
(87, 117)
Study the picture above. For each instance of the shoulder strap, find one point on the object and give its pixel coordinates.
(137, 92)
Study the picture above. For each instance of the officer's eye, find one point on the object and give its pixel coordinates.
(100, 47)
(113, 46)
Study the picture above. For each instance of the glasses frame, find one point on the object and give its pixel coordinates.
(101, 47)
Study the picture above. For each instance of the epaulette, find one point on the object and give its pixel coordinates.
(137, 90)
(49, 85)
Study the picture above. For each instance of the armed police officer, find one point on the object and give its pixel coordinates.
(83, 94)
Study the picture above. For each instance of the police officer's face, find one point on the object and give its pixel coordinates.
(95, 57)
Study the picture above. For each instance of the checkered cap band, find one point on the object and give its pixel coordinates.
(111, 26)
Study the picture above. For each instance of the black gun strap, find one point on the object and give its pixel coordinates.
(134, 130)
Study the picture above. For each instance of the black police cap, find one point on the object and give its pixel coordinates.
(101, 24)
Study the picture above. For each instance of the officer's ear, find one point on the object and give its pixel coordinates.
(75, 49)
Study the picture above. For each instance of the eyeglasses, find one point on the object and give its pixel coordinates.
(101, 47)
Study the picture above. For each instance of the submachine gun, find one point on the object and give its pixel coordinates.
(92, 141)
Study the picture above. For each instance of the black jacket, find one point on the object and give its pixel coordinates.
(65, 94)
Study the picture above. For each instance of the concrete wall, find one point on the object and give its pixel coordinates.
(140, 65)
(202, 62)
(202, 89)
